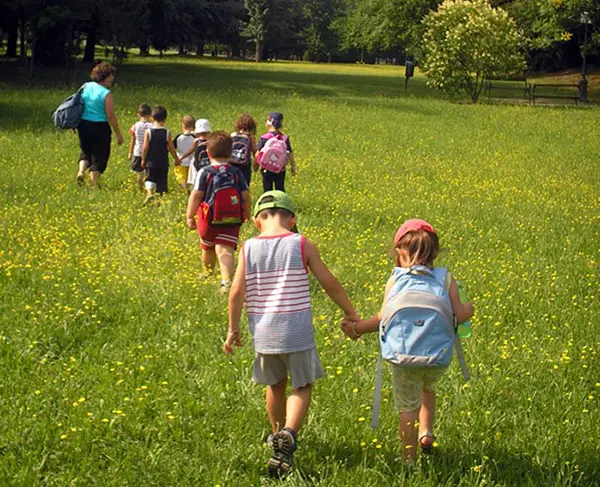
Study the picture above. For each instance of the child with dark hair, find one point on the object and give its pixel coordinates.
(155, 154)
(244, 144)
(273, 179)
(137, 131)
(221, 201)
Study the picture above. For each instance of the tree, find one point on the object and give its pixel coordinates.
(467, 42)
(255, 28)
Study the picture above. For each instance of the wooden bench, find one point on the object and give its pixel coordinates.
(501, 84)
(572, 96)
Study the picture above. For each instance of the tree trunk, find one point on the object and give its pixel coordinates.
(144, 48)
(181, 49)
(200, 48)
(23, 48)
(13, 36)
(258, 51)
(33, 52)
(90, 45)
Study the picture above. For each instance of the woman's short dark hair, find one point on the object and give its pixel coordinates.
(102, 71)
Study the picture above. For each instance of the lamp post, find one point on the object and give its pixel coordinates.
(585, 20)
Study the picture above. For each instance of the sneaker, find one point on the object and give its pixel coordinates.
(284, 446)
(224, 287)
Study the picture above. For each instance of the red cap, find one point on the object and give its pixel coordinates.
(412, 226)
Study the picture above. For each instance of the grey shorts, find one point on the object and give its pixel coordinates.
(304, 367)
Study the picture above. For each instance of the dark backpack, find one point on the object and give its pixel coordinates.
(68, 114)
(201, 158)
(241, 150)
(224, 204)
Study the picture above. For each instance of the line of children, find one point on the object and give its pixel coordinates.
(272, 276)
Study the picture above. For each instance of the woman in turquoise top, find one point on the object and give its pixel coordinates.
(97, 119)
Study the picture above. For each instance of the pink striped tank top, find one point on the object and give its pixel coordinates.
(277, 294)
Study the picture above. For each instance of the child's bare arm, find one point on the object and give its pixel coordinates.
(172, 150)
(237, 296)
(292, 162)
(145, 149)
(331, 285)
(355, 329)
(189, 152)
(131, 145)
(462, 311)
(194, 201)
(247, 203)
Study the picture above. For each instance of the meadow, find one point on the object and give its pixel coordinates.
(111, 370)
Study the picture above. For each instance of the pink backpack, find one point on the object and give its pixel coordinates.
(273, 156)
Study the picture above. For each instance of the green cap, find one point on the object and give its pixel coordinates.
(274, 199)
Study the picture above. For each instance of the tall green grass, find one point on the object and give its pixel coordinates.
(110, 349)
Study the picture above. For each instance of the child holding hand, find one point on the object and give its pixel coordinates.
(416, 246)
(272, 279)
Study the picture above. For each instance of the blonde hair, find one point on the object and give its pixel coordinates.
(422, 248)
(188, 122)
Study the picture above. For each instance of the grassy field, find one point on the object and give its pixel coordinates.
(110, 346)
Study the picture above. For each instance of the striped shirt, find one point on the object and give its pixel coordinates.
(277, 294)
(139, 129)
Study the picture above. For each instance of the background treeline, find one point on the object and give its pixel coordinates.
(55, 32)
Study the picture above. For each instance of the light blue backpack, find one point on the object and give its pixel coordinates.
(417, 328)
(69, 112)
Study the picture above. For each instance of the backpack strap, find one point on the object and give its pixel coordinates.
(377, 397)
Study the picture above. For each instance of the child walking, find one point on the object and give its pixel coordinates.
(244, 144)
(271, 159)
(198, 151)
(155, 154)
(183, 142)
(137, 131)
(221, 200)
(272, 278)
(416, 246)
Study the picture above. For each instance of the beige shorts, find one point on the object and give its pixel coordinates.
(409, 383)
(304, 367)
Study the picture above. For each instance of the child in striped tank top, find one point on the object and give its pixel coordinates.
(272, 278)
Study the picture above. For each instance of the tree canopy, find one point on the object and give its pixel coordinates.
(558, 33)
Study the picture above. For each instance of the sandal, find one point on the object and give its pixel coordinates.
(427, 449)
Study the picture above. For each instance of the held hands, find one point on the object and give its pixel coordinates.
(233, 338)
(348, 326)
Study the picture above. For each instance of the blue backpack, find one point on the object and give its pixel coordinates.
(69, 112)
(417, 327)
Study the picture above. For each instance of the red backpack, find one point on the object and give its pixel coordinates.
(223, 204)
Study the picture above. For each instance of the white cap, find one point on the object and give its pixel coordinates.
(202, 125)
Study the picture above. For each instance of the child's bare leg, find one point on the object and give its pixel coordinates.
(426, 416)
(209, 257)
(408, 434)
(276, 404)
(226, 261)
(140, 180)
(297, 407)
